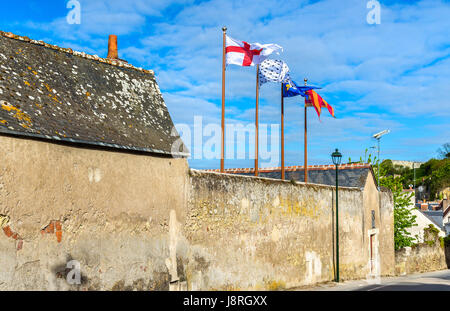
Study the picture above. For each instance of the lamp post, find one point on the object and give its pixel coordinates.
(378, 136)
(336, 157)
(414, 181)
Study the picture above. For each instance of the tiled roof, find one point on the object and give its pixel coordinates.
(436, 217)
(55, 93)
(446, 211)
(350, 175)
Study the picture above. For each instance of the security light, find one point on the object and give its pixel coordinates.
(378, 135)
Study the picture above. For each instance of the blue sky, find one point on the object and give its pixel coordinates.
(393, 75)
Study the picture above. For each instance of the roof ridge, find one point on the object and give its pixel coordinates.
(294, 167)
(112, 62)
(446, 211)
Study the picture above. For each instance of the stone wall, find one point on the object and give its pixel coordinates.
(257, 233)
(423, 257)
(110, 211)
(149, 223)
(447, 255)
(386, 225)
(419, 259)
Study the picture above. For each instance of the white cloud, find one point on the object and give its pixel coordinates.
(396, 74)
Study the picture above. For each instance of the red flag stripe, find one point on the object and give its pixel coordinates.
(248, 53)
(317, 101)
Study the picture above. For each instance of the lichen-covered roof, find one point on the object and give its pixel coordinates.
(55, 93)
(350, 175)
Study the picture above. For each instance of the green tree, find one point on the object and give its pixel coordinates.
(444, 151)
(388, 167)
(403, 218)
(435, 174)
(440, 177)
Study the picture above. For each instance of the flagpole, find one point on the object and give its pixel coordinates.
(222, 157)
(256, 120)
(282, 133)
(306, 141)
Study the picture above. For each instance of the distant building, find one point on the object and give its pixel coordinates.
(408, 164)
(424, 219)
(436, 217)
(446, 216)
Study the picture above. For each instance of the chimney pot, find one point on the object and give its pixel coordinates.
(112, 47)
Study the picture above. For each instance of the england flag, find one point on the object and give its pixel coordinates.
(242, 53)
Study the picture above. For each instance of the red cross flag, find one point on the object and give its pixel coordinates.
(242, 53)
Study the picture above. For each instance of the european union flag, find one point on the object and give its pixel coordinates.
(291, 89)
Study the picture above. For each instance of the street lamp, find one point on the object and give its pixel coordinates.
(377, 136)
(337, 157)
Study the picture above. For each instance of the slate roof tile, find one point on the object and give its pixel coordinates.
(55, 93)
(350, 175)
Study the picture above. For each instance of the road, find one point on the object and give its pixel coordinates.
(431, 281)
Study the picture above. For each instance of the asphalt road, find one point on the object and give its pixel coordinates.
(435, 281)
(431, 281)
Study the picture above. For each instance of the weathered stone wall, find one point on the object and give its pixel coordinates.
(110, 211)
(142, 222)
(447, 255)
(256, 233)
(387, 249)
(421, 258)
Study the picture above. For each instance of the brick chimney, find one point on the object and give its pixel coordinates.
(112, 47)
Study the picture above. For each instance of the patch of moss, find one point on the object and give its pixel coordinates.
(275, 285)
(447, 241)
(431, 235)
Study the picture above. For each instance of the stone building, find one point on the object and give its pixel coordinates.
(423, 221)
(87, 168)
(92, 176)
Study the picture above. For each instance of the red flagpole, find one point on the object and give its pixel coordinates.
(306, 141)
(256, 121)
(222, 164)
(282, 133)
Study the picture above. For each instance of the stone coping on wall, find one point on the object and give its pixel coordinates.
(293, 168)
(195, 173)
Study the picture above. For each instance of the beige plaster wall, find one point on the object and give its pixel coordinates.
(256, 233)
(113, 211)
(148, 223)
